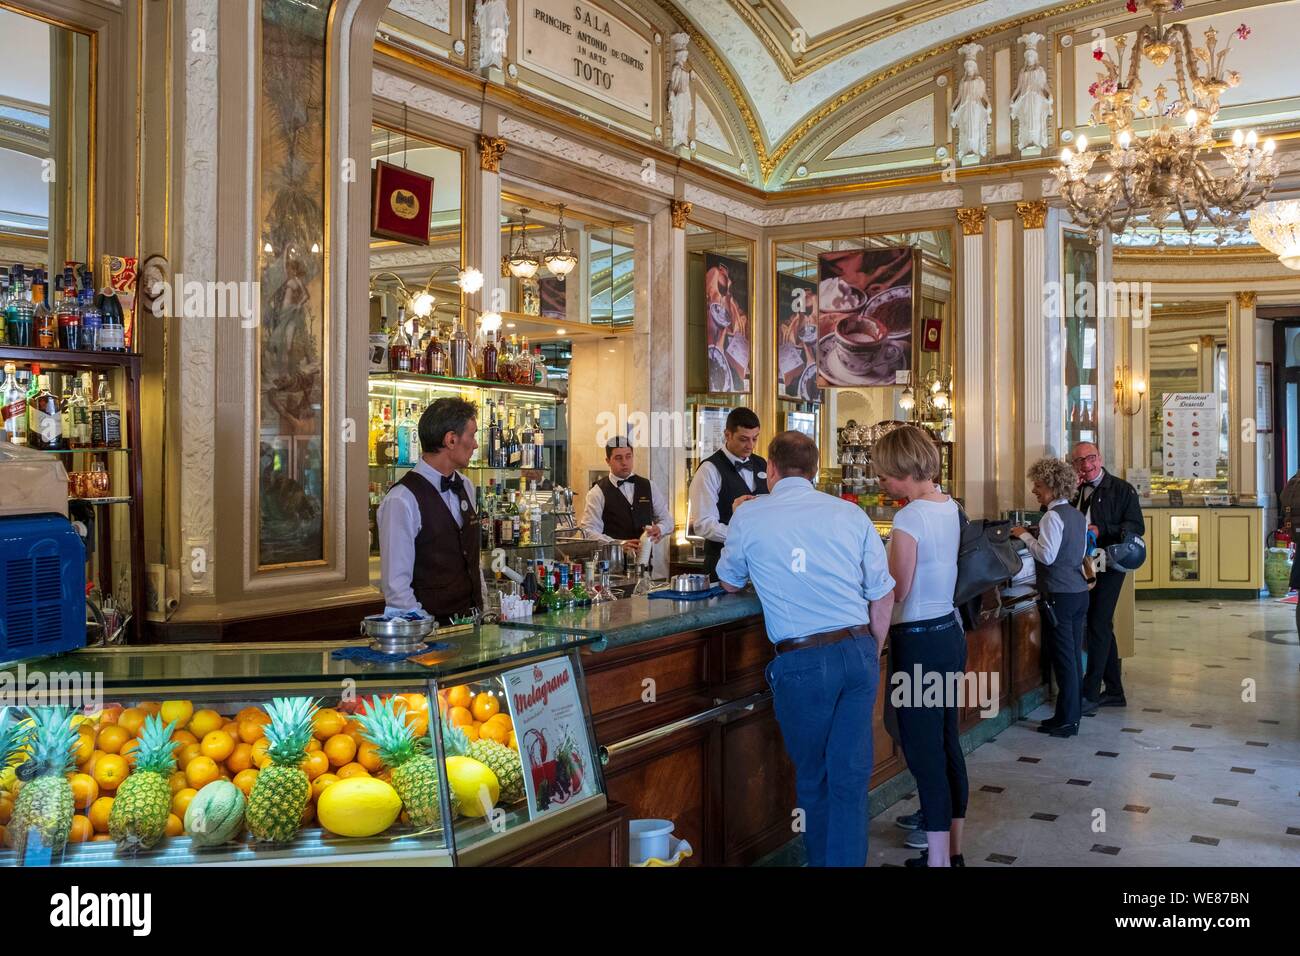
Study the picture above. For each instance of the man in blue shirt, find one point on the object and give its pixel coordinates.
(822, 577)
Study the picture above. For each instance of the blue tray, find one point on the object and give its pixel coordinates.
(689, 595)
(369, 655)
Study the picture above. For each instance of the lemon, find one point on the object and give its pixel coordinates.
(178, 711)
(471, 782)
(358, 807)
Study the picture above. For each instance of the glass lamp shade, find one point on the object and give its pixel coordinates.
(1276, 227)
(561, 263)
(907, 401)
(422, 304)
(523, 266)
(470, 280)
(489, 322)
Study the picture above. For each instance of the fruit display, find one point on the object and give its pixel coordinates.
(143, 802)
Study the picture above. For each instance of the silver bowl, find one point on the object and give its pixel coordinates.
(689, 583)
(397, 636)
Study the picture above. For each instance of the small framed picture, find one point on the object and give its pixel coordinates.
(400, 203)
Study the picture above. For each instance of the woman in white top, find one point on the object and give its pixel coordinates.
(927, 637)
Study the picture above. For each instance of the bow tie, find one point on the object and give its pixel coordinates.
(626, 481)
(454, 483)
(747, 463)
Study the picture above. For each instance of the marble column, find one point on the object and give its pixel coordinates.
(1033, 370)
(490, 151)
(1243, 442)
(973, 351)
(674, 283)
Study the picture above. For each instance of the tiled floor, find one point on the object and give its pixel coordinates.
(1188, 774)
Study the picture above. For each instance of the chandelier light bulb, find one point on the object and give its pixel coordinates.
(1125, 139)
(470, 280)
(1192, 117)
(1082, 143)
(1269, 146)
(422, 304)
(1238, 137)
(1251, 139)
(1067, 156)
(489, 322)
(906, 401)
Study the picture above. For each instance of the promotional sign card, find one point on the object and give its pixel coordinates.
(1191, 432)
(546, 710)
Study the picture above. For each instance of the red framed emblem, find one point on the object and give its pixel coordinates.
(400, 204)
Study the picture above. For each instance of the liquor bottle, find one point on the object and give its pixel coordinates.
(68, 315)
(387, 448)
(65, 413)
(563, 596)
(20, 318)
(105, 419)
(525, 526)
(43, 317)
(80, 436)
(540, 375)
(435, 354)
(45, 420)
(4, 305)
(399, 349)
(526, 441)
(493, 435)
(504, 526)
(514, 454)
(516, 525)
(485, 541)
(535, 523)
(580, 596)
(374, 429)
(91, 317)
(112, 330)
(419, 352)
(490, 359)
(13, 407)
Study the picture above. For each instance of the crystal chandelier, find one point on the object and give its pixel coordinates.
(521, 262)
(1276, 227)
(561, 260)
(1159, 176)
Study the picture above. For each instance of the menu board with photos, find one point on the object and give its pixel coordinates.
(1191, 434)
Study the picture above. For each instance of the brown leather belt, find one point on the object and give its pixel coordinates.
(824, 639)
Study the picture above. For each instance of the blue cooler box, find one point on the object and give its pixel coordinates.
(42, 587)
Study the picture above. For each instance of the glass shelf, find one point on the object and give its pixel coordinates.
(82, 451)
(422, 383)
(103, 501)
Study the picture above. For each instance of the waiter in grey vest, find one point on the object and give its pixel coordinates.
(622, 505)
(729, 476)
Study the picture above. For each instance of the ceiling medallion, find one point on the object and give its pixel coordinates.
(1157, 176)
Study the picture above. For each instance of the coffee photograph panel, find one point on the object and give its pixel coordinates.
(796, 338)
(866, 313)
(726, 304)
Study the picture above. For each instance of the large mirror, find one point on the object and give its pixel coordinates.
(46, 148)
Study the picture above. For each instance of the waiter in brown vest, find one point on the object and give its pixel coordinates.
(622, 505)
(428, 526)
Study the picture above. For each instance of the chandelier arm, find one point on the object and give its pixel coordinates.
(1134, 81)
(1184, 62)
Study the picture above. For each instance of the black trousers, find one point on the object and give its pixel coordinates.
(928, 733)
(1066, 635)
(1103, 654)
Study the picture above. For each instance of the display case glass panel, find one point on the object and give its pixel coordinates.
(1184, 548)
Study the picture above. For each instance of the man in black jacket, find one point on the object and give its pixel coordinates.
(1111, 507)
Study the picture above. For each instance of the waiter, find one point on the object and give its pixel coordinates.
(428, 527)
(622, 505)
(731, 475)
(1111, 508)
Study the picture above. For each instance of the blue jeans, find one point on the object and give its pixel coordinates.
(824, 698)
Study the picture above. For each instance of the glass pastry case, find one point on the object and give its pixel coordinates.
(281, 755)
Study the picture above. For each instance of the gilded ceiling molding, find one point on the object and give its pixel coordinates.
(1032, 214)
(972, 220)
(1246, 299)
(490, 151)
(680, 211)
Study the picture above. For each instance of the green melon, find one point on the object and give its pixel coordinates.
(215, 814)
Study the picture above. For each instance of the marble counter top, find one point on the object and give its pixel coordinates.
(638, 618)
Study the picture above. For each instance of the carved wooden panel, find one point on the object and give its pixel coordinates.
(758, 788)
(984, 657)
(669, 781)
(1026, 662)
(600, 841)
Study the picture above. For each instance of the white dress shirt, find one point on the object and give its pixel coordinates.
(705, 485)
(1050, 529)
(399, 523)
(816, 560)
(593, 513)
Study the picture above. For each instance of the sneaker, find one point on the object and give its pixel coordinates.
(917, 840)
(911, 821)
(924, 860)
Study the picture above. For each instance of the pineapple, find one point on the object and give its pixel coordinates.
(43, 810)
(14, 735)
(415, 773)
(139, 815)
(503, 762)
(279, 797)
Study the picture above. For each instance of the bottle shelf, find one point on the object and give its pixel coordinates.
(124, 500)
(447, 381)
(82, 451)
(56, 358)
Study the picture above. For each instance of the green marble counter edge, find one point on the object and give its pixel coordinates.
(197, 666)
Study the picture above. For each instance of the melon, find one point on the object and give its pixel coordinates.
(471, 781)
(358, 807)
(215, 814)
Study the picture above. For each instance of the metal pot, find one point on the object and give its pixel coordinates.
(398, 636)
(689, 583)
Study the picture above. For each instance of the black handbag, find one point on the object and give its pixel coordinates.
(985, 557)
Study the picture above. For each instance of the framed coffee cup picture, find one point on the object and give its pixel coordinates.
(866, 301)
(400, 201)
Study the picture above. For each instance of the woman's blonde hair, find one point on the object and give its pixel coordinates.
(907, 452)
(1056, 475)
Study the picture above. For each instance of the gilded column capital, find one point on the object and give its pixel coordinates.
(1247, 299)
(490, 151)
(1032, 213)
(680, 210)
(972, 220)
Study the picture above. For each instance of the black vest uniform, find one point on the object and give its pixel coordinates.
(445, 578)
(733, 487)
(622, 520)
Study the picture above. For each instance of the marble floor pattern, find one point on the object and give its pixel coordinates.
(1188, 774)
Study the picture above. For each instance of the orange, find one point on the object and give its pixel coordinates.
(150, 707)
(98, 814)
(89, 765)
(340, 749)
(181, 801)
(308, 814)
(250, 730)
(100, 838)
(131, 720)
(128, 750)
(320, 783)
(260, 757)
(177, 782)
(315, 764)
(85, 745)
(513, 743)
(252, 713)
(327, 723)
(110, 771)
(485, 706)
(204, 722)
(460, 716)
(493, 731)
(201, 771)
(84, 790)
(245, 779)
(313, 745)
(231, 727)
(217, 744)
(240, 759)
(471, 731)
(418, 721)
(352, 770)
(6, 811)
(109, 714)
(111, 738)
(460, 696)
(503, 719)
(353, 729)
(187, 753)
(368, 757)
(174, 825)
(184, 737)
(177, 711)
(81, 831)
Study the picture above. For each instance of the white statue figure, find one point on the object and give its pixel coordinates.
(680, 102)
(972, 112)
(492, 21)
(1031, 104)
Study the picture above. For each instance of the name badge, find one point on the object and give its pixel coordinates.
(761, 474)
(464, 505)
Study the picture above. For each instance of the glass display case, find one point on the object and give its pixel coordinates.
(287, 756)
(1184, 548)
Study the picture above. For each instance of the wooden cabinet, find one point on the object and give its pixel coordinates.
(1203, 548)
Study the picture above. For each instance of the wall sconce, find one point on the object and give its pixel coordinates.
(935, 395)
(422, 303)
(1126, 387)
